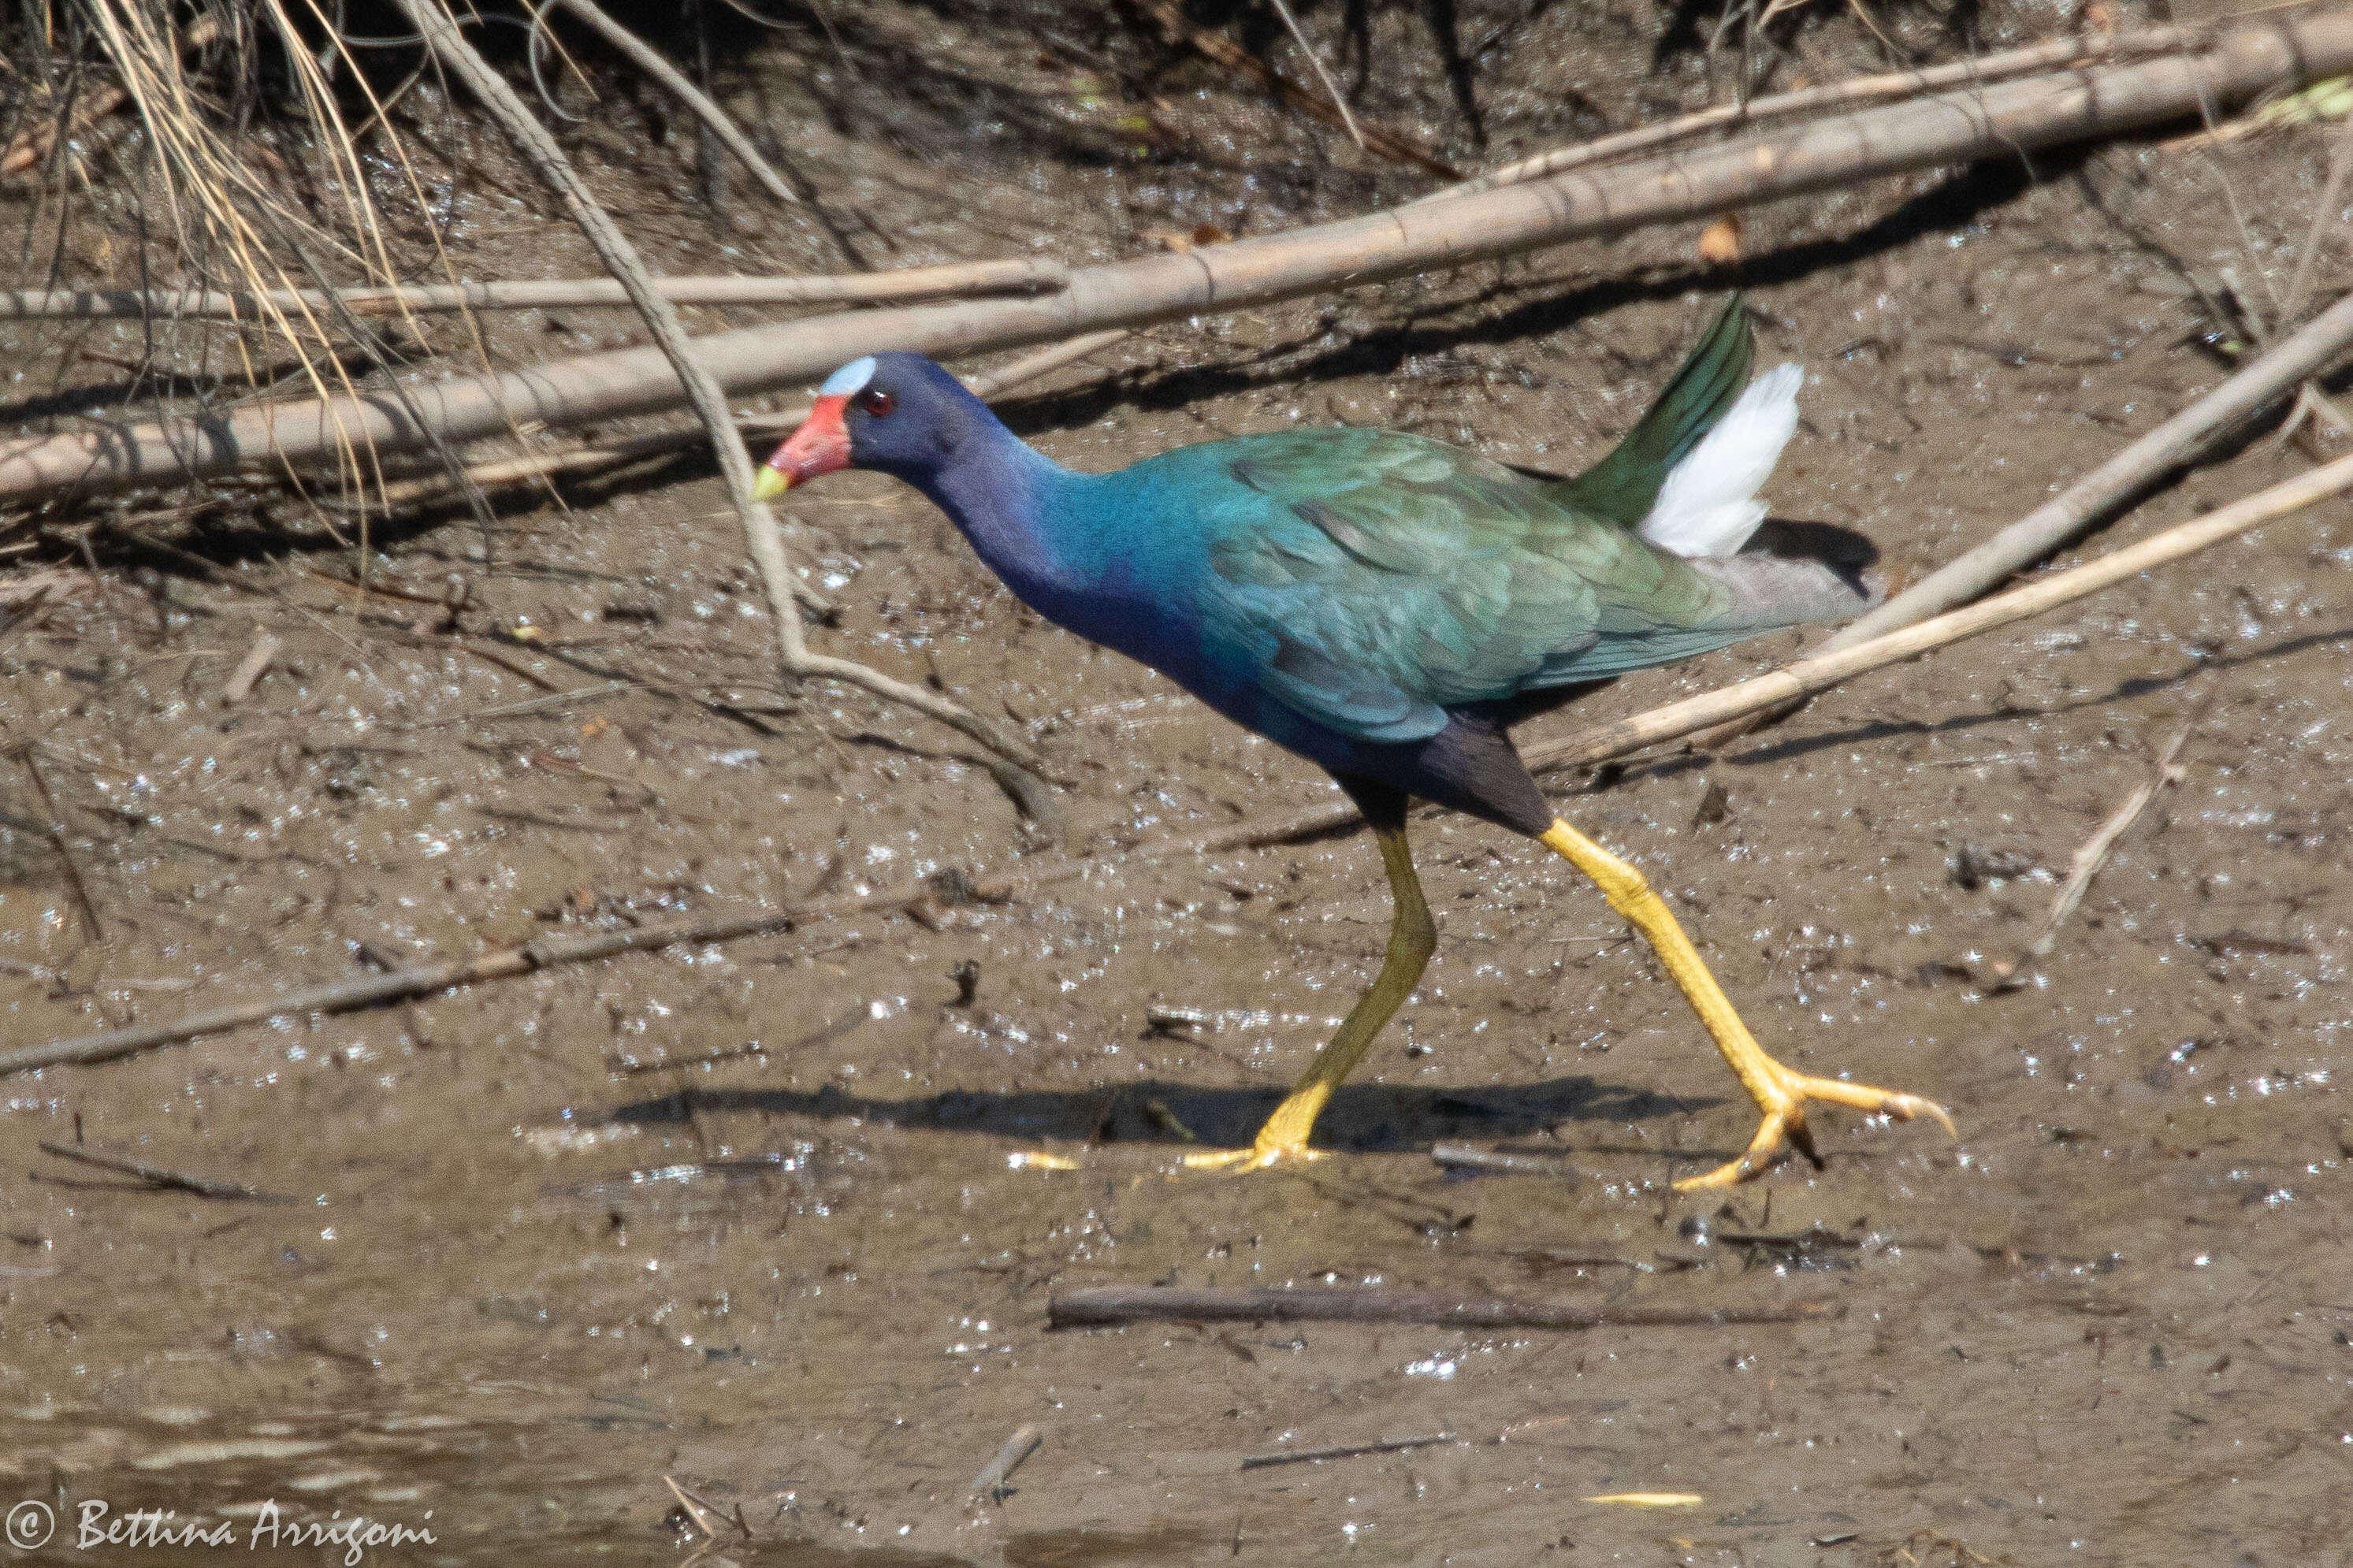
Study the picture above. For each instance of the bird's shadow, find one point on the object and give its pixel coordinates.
(1362, 1119)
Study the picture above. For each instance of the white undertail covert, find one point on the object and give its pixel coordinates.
(1708, 505)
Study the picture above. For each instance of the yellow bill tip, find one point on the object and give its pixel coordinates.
(771, 483)
(1650, 1499)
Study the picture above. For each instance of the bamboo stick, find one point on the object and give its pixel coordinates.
(754, 427)
(2000, 121)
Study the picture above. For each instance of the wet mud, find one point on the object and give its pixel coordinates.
(754, 1217)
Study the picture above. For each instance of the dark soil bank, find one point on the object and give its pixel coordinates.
(754, 1218)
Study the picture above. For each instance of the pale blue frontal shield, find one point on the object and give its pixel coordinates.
(848, 379)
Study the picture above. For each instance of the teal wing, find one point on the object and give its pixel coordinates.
(1372, 580)
(1621, 486)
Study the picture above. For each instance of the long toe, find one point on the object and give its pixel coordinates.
(1784, 1122)
(1261, 1156)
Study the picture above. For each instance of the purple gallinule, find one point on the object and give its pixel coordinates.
(1387, 608)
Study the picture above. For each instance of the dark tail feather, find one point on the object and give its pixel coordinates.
(1621, 486)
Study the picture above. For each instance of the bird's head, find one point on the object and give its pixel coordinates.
(897, 412)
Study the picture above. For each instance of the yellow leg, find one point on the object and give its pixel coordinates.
(1413, 936)
(1778, 1092)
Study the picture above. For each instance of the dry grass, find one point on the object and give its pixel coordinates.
(215, 145)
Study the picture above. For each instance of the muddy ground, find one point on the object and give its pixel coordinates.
(747, 1216)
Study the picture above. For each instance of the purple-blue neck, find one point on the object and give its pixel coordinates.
(1005, 496)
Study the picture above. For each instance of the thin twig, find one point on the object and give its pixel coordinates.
(648, 60)
(2014, 972)
(762, 536)
(54, 826)
(824, 1034)
(502, 964)
(548, 703)
(958, 280)
(1343, 1451)
(1104, 1306)
(2324, 215)
(1339, 98)
(990, 1482)
(157, 1176)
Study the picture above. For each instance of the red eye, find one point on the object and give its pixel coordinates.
(877, 401)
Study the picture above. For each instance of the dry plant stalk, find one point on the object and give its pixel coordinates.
(1339, 98)
(500, 964)
(965, 279)
(2014, 972)
(762, 538)
(2001, 120)
(34, 142)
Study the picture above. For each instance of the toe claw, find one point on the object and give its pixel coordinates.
(1784, 1125)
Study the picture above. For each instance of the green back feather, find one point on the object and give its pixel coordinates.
(1621, 486)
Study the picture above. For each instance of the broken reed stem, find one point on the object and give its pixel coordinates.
(649, 61)
(1107, 1306)
(990, 1483)
(2018, 971)
(158, 1177)
(762, 537)
(963, 279)
(1464, 1157)
(1821, 671)
(2007, 120)
(1985, 68)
